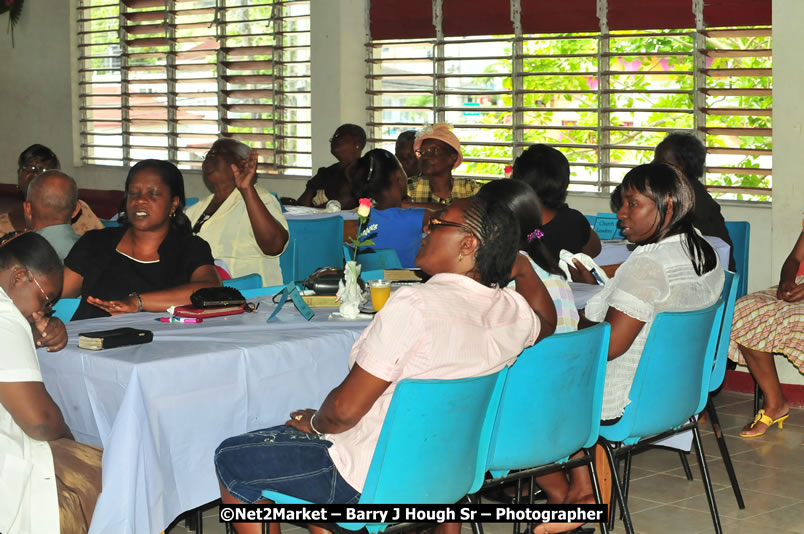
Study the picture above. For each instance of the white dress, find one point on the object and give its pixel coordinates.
(655, 278)
(28, 501)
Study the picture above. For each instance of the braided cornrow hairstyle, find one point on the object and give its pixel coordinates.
(497, 231)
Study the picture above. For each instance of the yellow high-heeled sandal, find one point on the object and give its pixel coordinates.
(760, 417)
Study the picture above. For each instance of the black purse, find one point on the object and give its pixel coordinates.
(213, 297)
(324, 281)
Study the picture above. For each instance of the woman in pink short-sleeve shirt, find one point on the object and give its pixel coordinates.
(458, 324)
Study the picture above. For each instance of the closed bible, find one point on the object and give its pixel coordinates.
(117, 337)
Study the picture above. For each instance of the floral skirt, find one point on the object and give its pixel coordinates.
(765, 323)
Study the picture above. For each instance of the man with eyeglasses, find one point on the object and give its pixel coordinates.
(439, 152)
(31, 163)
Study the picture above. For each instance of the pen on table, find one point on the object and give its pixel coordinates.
(179, 320)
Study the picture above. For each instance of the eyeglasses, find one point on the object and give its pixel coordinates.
(48, 305)
(35, 169)
(435, 222)
(432, 151)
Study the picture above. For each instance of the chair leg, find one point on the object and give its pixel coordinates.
(710, 494)
(596, 488)
(612, 500)
(685, 464)
(627, 474)
(757, 397)
(477, 526)
(618, 491)
(724, 453)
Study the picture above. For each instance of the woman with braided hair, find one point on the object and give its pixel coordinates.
(463, 322)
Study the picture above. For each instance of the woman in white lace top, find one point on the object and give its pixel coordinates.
(672, 269)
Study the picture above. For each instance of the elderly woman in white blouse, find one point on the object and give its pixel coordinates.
(672, 269)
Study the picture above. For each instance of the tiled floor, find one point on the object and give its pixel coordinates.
(770, 470)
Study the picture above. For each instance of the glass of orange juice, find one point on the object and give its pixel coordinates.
(380, 291)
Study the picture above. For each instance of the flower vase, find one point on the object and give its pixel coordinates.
(349, 293)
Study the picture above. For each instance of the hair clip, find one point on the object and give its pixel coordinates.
(536, 234)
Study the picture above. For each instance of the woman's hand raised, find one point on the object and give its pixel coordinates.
(245, 174)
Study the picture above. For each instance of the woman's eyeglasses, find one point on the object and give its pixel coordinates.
(435, 222)
(432, 151)
(35, 169)
(47, 305)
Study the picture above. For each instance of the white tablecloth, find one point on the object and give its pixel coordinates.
(303, 212)
(159, 410)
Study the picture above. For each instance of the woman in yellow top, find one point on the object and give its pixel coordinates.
(241, 221)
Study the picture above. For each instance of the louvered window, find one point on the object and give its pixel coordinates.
(164, 78)
(603, 85)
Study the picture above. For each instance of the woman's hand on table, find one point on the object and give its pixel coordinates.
(789, 291)
(300, 420)
(115, 307)
(49, 332)
(581, 274)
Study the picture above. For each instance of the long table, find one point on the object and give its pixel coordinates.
(160, 409)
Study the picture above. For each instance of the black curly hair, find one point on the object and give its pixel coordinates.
(497, 230)
(547, 171)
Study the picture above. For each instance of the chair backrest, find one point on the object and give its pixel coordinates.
(729, 295)
(550, 406)
(434, 441)
(260, 292)
(381, 258)
(313, 243)
(249, 281)
(64, 308)
(671, 383)
(369, 275)
(740, 234)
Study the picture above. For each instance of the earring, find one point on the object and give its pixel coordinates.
(173, 212)
(460, 257)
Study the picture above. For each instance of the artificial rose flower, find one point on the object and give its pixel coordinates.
(364, 208)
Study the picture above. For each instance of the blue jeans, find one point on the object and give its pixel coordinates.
(284, 460)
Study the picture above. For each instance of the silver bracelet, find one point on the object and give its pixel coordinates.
(139, 300)
(316, 432)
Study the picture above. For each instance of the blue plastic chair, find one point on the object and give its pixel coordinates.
(443, 428)
(249, 281)
(260, 292)
(64, 308)
(670, 386)
(189, 201)
(570, 369)
(369, 275)
(108, 223)
(381, 258)
(740, 234)
(313, 243)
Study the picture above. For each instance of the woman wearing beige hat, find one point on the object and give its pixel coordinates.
(439, 152)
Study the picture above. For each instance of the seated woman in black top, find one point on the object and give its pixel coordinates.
(151, 262)
(687, 153)
(547, 171)
(332, 183)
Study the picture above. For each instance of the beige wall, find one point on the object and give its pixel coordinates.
(36, 80)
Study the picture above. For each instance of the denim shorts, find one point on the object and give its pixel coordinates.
(284, 460)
